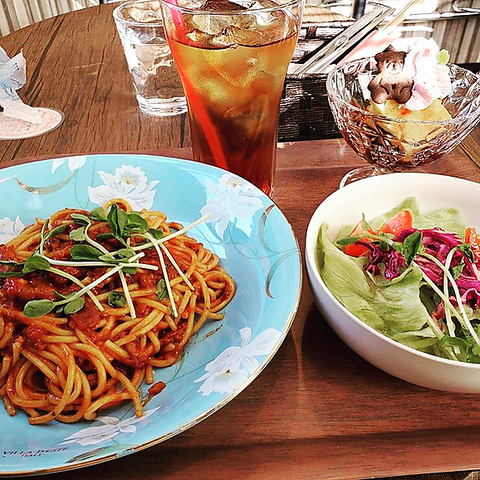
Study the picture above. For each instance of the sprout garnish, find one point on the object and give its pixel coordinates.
(87, 252)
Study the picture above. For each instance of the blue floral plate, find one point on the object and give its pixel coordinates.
(256, 246)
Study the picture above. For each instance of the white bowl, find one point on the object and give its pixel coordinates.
(374, 196)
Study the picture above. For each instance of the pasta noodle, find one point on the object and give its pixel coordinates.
(91, 302)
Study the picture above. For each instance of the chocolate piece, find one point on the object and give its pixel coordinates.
(391, 83)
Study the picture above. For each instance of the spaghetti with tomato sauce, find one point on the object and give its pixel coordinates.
(92, 302)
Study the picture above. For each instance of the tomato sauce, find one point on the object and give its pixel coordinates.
(87, 319)
(23, 290)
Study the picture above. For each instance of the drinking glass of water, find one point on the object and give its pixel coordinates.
(155, 78)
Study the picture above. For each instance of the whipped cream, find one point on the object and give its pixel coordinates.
(424, 64)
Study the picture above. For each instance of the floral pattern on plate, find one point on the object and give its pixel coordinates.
(232, 199)
(256, 246)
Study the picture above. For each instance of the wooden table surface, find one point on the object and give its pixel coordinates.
(318, 411)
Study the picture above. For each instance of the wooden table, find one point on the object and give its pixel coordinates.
(318, 411)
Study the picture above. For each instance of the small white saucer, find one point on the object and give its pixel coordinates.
(13, 128)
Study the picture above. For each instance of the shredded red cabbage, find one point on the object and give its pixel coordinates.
(437, 243)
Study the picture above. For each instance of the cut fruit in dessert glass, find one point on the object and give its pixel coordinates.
(387, 135)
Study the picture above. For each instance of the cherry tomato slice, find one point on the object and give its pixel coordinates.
(357, 249)
(471, 237)
(399, 222)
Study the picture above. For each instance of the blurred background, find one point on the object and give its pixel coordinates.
(454, 24)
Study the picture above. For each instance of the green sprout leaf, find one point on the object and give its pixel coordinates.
(99, 214)
(466, 249)
(161, 290)
(457, 270)
(80, 219)
(12, 273)
(118, 219)
(136, 223)
(411, 246)
(31, 264)
(101, 237)
(38, 308)
(74, 306)
(125, 253)
(129, 270)
(116, 299)
(85, 253)
(119, 256)
(35, 262)
(78, 235)
(54, 232)
(156, 233)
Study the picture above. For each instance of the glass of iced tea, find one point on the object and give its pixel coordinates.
(232, 58)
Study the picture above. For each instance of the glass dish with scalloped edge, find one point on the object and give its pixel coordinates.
(391, 144)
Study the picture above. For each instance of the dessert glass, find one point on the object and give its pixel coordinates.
(395, 145)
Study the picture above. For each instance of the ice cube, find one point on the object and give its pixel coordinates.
(148, 12)
(206, 24)
(199, 38)
(215, 24)
(147, 35)
(251, 27)
(230, 36)
(251, 115)
(222, 6)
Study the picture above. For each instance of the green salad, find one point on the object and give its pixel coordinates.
(414, 278)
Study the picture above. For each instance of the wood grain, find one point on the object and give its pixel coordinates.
(318, 411)
(75, 64)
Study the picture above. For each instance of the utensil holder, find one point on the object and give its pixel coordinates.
(304, 110)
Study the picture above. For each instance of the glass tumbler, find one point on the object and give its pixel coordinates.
(155, 77)
(232, 59)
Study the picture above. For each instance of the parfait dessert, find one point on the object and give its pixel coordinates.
(403, 108)
(410, 86)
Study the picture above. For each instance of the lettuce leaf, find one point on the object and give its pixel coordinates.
(447, 218)
(392, 308)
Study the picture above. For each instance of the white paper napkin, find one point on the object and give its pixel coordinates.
(12, 78)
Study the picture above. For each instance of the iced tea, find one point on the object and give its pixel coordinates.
(233, 69)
